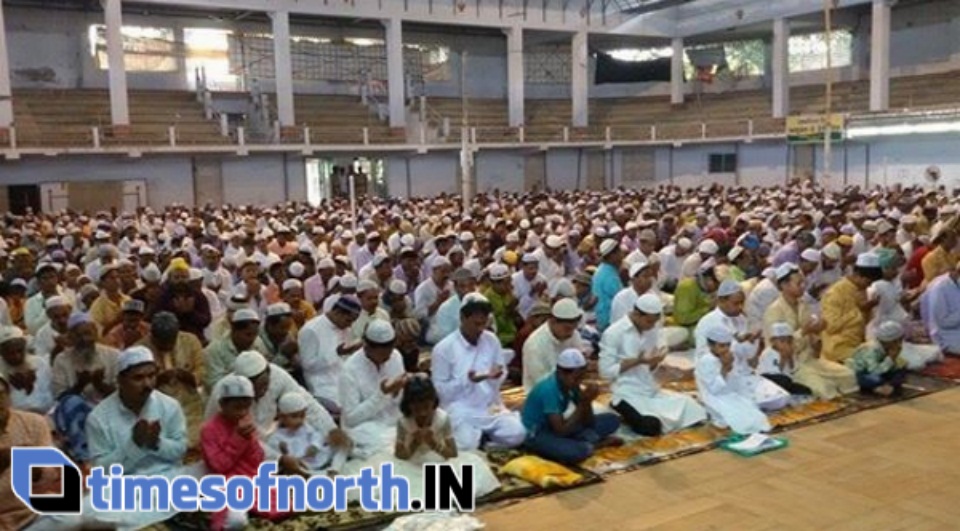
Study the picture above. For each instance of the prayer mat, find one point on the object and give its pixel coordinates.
(948, 369)
(635, 453)
(511, 489)
(645, 451)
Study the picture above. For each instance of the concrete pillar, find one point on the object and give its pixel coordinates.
(781, 68)
(119, 104)
(578, 80)
(6, 104)
(395, 80)
(880, 57)
(676, 72)
(283, 68)
(515, 74)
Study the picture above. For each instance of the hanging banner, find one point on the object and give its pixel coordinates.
(807, 129)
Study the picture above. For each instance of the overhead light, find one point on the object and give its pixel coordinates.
(904, 129)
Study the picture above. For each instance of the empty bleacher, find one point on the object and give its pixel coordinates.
(338, 120)
(60, 118)
(489, 116)
(65, 118)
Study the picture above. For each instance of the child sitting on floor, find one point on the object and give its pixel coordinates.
(777, 363)
(296, 438)
(717, 385)
(879, 367)
(230, 446)
(425, 435)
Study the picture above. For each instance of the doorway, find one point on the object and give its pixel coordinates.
(23, 197)
(329, 177)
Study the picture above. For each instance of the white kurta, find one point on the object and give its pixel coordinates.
(726, 405)
(110, 437)
(760, 298)
(523, 290)
(318, 340)
(43, 343)
(540, 353)
(298, 443)
(41, 400)
(638, 387)
(670, 263)
(772, 362)
(446, 321)
(764, 393)
(367, 414)
(623, 303)
(475, 408)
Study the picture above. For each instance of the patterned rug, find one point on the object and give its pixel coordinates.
(636, 453)
(948, 369)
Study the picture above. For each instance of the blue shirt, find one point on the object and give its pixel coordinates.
(605, 286)
(545, 399)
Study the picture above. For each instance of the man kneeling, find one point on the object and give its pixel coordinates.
(571, 439)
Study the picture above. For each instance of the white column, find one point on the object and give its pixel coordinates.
(578, 80)
(515, 74)
(781, 68)
(676, 72)
(395, 81)
(283, 69)
(6, 104)
(880, 57)
(119, 105)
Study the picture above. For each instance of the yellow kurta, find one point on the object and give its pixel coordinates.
(825, 378)
(936, 263)
(187, 354)
(106, 312)
(845, 323)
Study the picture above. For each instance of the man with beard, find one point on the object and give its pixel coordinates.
(27, 374)
(52, 337)
(179, 358)
(83, 375)
(221, 353)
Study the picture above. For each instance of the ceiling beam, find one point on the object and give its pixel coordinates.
(662, 23)
(417, 11)
(650, 7)
(702, 20)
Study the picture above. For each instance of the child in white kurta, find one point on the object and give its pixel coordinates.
(727, 405)
(295, 437)
(778, 363)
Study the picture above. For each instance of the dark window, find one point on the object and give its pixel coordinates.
(723, 163)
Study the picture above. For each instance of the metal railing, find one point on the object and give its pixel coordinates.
(138, 135)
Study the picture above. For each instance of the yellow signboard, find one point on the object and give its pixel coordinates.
(811, 128)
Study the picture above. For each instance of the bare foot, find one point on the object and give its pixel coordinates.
(884, 390)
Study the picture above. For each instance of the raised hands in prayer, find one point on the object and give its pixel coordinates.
(146, 434)
(495, 373)
(338, 438)
(246, 427)
(23, 380)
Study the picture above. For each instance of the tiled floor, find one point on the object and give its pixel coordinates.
(896, 467)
